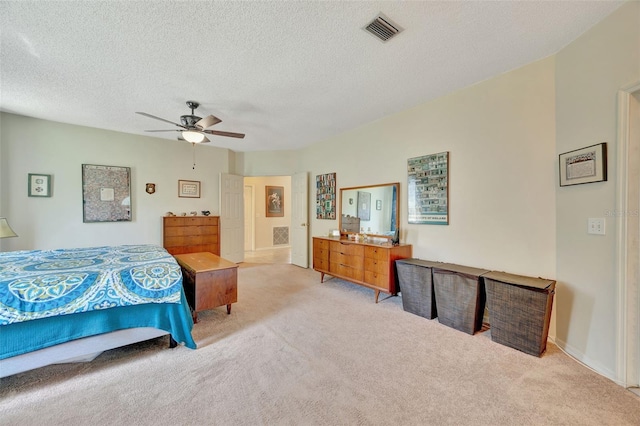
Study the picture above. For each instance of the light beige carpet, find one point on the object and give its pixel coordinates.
(297, 352)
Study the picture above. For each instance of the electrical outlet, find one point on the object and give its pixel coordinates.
(595, 225)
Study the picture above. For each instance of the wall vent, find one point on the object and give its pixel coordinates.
(383, 28)
(280, 235)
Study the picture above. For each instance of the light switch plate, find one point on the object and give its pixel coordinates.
(596, 225)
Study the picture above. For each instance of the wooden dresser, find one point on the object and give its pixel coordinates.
(191, 234)
(368, 264)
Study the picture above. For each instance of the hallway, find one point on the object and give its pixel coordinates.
(273, 255)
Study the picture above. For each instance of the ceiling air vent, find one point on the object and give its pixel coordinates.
(383, 28)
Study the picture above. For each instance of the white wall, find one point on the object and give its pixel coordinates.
(589, 72)
(37, 146)
(500, 135)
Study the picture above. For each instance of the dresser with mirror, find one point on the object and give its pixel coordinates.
(364, 253)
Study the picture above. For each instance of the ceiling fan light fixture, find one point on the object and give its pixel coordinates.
(193, 137)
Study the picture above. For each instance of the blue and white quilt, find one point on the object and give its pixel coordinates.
(45, 283)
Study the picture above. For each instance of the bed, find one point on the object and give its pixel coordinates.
(69, 305)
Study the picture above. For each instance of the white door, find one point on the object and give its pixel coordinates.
(248, 218)
(299, 220)
(232, 217)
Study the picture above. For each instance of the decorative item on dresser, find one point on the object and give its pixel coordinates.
(192, 234)
(368, 264)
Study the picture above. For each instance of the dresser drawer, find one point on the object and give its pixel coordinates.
(347, 259)
(378, 280)
(319, 263)
(377, 266)
(346, 271)
(379, 253)
(170, 221)
(321, 253)
(174, 231)
(346, 248)
(320, 244)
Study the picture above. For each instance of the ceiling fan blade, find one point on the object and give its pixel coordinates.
(172, 130)
(161, 119)
(220, 133)
(209, 121)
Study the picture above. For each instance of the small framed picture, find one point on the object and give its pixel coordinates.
(39, 185)
(189, 188)
(274, 199)
(585, 165)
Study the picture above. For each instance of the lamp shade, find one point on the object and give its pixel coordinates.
(193, 137)
(5, 229)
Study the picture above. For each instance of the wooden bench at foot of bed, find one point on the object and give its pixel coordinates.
(209, 281)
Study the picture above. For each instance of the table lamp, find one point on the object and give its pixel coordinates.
(5, 229)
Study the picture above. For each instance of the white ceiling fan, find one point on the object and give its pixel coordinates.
(193, 128)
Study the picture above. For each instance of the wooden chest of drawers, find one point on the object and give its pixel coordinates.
(191, 234)
(367, 264)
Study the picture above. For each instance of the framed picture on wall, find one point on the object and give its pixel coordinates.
(326, 196)
(428, 189)
(274, 199)
(106, 193)
(585, 165)
(39, 185)
(189, 188)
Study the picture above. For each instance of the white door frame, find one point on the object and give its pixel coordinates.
(250, 208)
(628, 325)
(300, 219)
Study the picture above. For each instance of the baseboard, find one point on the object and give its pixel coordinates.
(587, 362)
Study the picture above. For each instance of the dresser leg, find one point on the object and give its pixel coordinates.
(321, 277)
(229, 309)
(377, 294)
(194, 315)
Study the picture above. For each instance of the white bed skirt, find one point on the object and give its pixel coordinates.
(80, 350)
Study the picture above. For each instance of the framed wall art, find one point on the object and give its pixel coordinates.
(39, 185)
(428, 189)
(326, 196)
(106, 193)
(189, 188)
(585, 165)
(274, 199)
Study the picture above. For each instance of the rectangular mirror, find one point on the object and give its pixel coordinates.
(373, 208)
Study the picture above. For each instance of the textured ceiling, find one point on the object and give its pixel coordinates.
(286, 73)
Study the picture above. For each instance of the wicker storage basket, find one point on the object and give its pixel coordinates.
(416, 286)
(460, 296)
(519, 310)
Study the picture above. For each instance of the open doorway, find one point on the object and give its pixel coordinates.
(267, 228)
